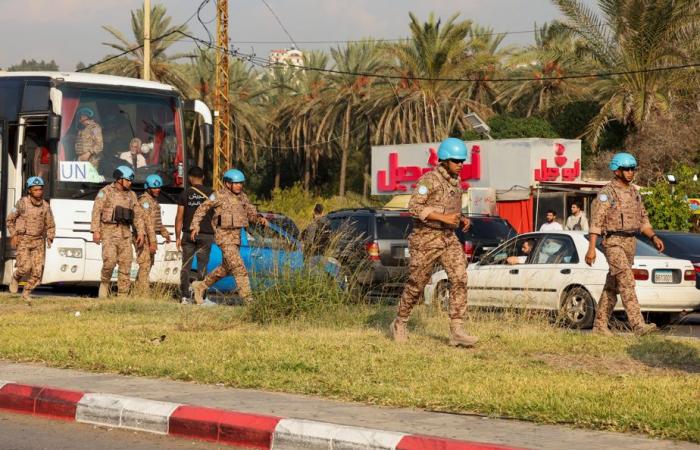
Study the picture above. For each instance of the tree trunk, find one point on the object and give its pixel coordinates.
(367, 177)
(278, 169)
(344, 152)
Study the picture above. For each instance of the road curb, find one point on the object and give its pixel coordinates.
(211, 424)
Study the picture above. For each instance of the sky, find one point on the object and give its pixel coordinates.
(70, 31)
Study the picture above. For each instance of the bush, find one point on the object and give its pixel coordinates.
(509, 127)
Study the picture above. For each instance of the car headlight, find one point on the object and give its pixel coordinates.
(68, 252)
(172, 256)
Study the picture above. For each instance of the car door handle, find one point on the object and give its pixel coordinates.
(514, 271)
(565, 271)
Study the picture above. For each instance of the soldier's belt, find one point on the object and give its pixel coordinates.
(619, 233)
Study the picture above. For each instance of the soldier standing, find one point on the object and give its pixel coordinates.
(31, 229)
(115, 211)
(153, 222)
(436, 207)
(88, 145)
(232, 212)
(619, 215)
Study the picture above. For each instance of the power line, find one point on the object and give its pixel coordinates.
(280, 23)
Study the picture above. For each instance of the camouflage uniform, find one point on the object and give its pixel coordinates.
(89, 142)
(618, 214)
(232, 212)
(153, 223)
(32, 222)
(116, 233)
(433, 241)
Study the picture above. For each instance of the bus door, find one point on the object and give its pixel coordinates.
(4, 157)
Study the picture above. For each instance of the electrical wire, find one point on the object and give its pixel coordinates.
(280, 23)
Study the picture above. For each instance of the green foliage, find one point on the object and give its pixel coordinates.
(510, 127)
(667, 205)
(32, 65)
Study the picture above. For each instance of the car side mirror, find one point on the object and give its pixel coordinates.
(53, 129)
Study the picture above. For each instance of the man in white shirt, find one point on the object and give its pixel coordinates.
(577, 220)
(551, 224)
(134, 156)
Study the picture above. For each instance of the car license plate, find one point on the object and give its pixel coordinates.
(663, 276)
(406, 253)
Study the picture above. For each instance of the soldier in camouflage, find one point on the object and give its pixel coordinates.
(232, 212)
(115, 211)
(31, 229)
(618, 215)
(436, 207)
(88, 144)
(154, 225)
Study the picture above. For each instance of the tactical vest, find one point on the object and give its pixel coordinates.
(231, 212)
(445, 197)
(118, 207)
(32, 218)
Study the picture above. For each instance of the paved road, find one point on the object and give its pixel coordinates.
(22, 432)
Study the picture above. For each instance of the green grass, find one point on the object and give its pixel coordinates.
(523, 367)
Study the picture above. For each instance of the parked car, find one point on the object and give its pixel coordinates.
(681, 245)
(554, 276)
(484, 234)
(264, 250)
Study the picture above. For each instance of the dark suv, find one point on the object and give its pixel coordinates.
(375, 242)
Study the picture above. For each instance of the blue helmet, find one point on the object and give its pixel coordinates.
(85, 111)
(124, 172)
(154, 181)
(622, 160)
(234, 176)
(34, 181)
(453, 148)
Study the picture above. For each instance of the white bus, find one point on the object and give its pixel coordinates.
(38, 129)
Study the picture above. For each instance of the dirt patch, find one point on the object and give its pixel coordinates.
(598, 364)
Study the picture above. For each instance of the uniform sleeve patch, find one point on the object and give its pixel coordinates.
(14, 210)
(100, 194)
(422, 190)
(212, 197)
(146, 205)
(603, 197)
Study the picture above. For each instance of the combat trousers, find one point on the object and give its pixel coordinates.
(619, 251)
(199, 248)
(229, 242)
(117, 250)
(428, 246)
(145, 259)
(30, 254)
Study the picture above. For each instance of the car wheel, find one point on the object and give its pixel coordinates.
(578, 308)
(442, 294)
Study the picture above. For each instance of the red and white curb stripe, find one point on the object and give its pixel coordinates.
(225, 427)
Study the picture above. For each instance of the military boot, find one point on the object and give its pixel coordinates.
(645, 329)
(26, 297)
(602, 331)
(104, 290)
(398, 330)
(198, 289)
(14, 285)
(459, 337)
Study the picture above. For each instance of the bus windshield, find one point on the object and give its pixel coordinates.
(104, 129)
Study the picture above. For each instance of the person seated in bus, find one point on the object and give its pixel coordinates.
(133, 156)
(89, 143)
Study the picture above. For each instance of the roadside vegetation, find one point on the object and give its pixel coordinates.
(524, 367)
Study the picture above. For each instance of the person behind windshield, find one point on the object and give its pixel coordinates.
(133, 156)
(88, 144)
(525, 251)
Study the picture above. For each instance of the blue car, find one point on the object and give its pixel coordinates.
(265, 252)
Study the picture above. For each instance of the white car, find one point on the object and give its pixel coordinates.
(554, 276)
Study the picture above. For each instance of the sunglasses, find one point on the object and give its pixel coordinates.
(456, 161)
(627, 169)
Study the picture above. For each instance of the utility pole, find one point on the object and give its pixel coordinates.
(222, 120)
(147, 39)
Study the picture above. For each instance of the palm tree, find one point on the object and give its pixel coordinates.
(343, 102)
(553, 55)
(636, 37)
(163, 66)
(484, 59)
(432, 107)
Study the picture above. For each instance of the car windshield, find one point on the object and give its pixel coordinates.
(394, 227)
(103, 129)
(490, 228)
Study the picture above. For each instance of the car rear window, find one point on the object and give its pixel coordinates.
(490, 228)
(680, 244)
(394, 227)
(353, 227)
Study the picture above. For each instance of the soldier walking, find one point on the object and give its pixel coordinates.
(436, 207)
(115, 211)
(31, 229)
(232, 212)
(153, 223)
(618, 216)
